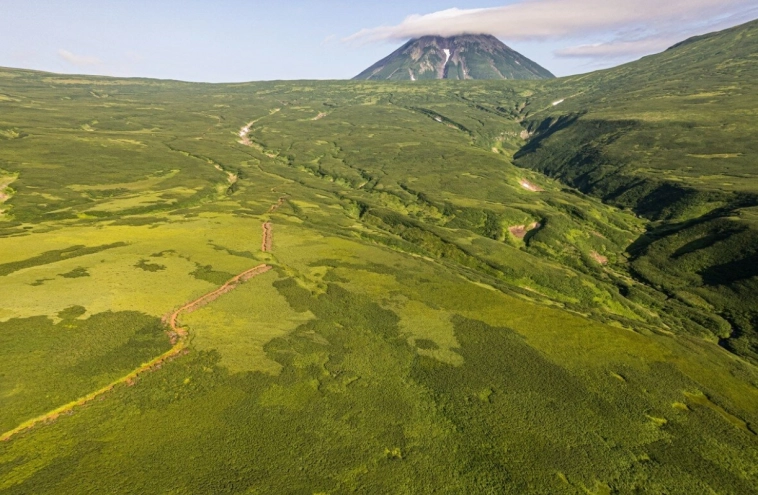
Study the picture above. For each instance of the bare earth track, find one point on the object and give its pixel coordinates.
(243, 134)
(276, 205)
(176, 333)
(267, 239)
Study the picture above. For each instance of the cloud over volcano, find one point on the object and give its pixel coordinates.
(620, 26)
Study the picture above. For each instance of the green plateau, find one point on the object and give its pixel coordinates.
(480, 286)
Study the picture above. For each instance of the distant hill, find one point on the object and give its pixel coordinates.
(672, 137)
(458, 57)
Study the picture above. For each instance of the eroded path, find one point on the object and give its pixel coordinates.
(243, 134)
(178, 335)
(278, 204)
(245, 130)
(267, 239)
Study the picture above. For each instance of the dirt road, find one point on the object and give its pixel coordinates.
(267, 239)
(177, 335)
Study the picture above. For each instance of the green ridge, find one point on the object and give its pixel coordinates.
(473, 290)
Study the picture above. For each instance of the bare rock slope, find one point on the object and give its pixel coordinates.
(458, 57)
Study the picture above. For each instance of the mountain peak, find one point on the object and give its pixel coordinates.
(466, 56)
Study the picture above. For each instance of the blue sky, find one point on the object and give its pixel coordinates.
(246, 40)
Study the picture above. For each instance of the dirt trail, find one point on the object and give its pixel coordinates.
(177, 334)
(201, 301)
(245, 130)
(267, 239)
(277, 205)
(231, 178)
(243, 134)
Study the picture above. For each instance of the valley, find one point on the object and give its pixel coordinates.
(458, 285)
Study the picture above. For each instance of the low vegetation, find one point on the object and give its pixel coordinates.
(678, 149)
(471, 290)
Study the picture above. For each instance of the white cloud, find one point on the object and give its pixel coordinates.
(623, 27)
(78, 60)
(543, 19)
(617, 48)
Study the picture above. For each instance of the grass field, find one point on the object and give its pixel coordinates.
(450, 308)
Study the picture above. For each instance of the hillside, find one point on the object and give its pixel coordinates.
(332, 287)
(671, 137)
(457, 57)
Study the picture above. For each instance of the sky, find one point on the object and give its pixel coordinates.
(253, 40)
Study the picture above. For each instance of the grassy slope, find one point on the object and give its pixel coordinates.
(671, 137)
(417, 345)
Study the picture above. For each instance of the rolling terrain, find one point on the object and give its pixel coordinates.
(471, 290)
(672, 138)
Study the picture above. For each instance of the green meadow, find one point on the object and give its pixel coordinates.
(473, 290)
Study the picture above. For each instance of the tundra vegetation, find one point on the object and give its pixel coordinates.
(473, 290)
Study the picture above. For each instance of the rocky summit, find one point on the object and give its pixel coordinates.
(458, 57)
